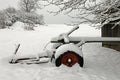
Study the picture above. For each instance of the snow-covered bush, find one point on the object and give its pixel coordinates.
(10, 16)
(28, 26)
(30, 19)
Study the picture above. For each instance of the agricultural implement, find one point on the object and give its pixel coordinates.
(65, 50)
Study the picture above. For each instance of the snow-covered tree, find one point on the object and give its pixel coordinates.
(27, 13)
(98, 12)
(81, 8)
(109, 13)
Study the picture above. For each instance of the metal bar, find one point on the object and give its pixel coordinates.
(89, 39)
(72, 30)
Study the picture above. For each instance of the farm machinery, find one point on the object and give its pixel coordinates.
(66, 50)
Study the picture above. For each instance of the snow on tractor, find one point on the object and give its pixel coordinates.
(65, 50)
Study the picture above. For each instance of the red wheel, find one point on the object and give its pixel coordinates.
(69, 55)
(69, 59)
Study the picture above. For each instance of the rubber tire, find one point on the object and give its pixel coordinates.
(80, 59)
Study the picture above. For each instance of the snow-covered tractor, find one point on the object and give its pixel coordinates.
(66, 50)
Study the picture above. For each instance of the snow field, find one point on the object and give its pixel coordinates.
(100, 63)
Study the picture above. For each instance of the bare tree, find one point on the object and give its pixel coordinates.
(2, 20)
(28, 5)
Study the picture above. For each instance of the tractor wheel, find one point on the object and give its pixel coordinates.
(69, 59)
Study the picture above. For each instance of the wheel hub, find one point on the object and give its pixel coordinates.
(69, 59)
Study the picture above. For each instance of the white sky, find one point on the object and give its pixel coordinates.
(49, 18)
(6, 3)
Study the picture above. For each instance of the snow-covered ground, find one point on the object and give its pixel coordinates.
(100, 63)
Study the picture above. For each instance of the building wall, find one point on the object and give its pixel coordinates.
(107, 31)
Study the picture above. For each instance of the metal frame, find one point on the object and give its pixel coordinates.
(64, 38)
